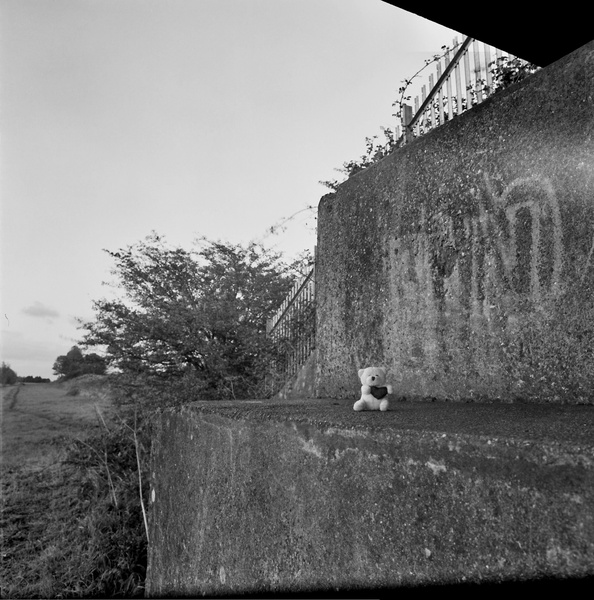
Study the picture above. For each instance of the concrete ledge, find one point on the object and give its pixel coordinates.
(309, 496)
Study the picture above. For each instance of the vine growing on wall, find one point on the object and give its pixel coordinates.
(505, 70)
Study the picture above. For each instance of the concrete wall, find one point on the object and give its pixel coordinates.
(464, 261)
(295, 497)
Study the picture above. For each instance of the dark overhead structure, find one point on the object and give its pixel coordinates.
(537, 32)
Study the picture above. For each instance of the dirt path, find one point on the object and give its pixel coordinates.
(36, 416)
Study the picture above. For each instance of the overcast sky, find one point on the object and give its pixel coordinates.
(191, 118)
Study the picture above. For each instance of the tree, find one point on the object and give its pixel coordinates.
(198, 315)
(75, 363)
(94, 364)
(69, 365)
(7, 375)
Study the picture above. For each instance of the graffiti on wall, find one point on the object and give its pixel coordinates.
(525, 208)
(489, 260)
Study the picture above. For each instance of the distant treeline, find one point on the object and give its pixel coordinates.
(9, 377)
(36, 379)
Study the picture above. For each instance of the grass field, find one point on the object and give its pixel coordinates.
(38, 417)
(68, 494)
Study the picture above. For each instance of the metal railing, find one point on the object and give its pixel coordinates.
(293, 326)
(464, 77)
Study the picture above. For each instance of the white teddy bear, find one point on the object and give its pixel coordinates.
(374, 389)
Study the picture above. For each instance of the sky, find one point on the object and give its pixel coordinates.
(190, 118)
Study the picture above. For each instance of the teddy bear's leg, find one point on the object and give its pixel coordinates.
(359, 405)
(384, 405)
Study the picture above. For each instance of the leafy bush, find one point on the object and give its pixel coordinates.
(192, 320)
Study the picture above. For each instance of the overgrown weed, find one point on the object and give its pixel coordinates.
(76, 528)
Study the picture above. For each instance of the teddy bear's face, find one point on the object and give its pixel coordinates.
(373, 376)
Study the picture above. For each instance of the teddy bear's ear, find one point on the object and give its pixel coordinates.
(361, 371)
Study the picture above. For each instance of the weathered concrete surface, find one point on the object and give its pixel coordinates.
(296, 497)
(464, 262)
